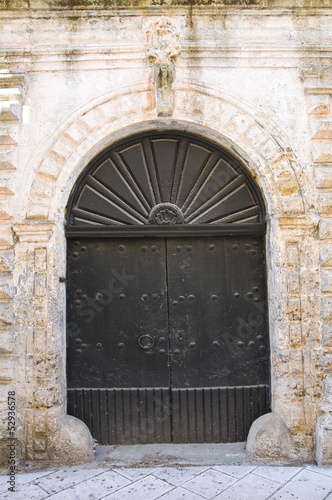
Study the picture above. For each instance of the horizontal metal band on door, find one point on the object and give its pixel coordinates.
(162, 415)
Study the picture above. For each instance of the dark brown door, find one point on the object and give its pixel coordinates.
(167, 337)
(167, 321)
(217, 316)
(118, 309)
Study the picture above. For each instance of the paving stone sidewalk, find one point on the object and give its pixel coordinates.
(103, 480)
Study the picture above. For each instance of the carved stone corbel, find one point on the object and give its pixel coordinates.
(164, 76)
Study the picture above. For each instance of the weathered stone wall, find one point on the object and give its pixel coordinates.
(257, 78)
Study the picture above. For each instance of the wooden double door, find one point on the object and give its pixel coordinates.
(167, 337)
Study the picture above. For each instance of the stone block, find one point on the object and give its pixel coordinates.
(33, 232)
(255, 131)
(320, 111)
(6, 166)
(73, 443)
(6, 370)
(6, 237)
(293, 281)
(297, 413)
(6, 263)
(269, 440)
(282, 338)
(270, 149)
(108, 111)
(5, 193)
(49, 168)
(242, 123)
(288, 187)
(323, 135)
(51, 165)
(145, 100)
(292, 254)
(327, 335)
(39, 444)
(92, 120)
(5, 217)
(7, 142)
(41, 312)
(326, 281)
(325, 204)
(325, 254)
(67, 140)
(6, 343)
(323, 158)
(325, 229)
(323, 177)
(41, 190)
(63, 149)
(324, 427)
(126, 104)
(282, 166)
(5, 325)
(220, 111)
(294, 309)
(6, 312)
(327, 309)
(292, 205)
(295, 333)
(6, 291)
(40, 260)
(76, 133)
(296, 361)
(324, 442)
(37, 211)
(7, 116)
(321, 154)
(40, 286)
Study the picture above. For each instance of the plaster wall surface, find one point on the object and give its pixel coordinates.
(258, 79)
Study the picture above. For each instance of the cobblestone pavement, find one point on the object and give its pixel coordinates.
(101, 479)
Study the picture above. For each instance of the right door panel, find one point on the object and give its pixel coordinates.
(217, 312)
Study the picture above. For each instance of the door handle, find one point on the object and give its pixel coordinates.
(146, 341)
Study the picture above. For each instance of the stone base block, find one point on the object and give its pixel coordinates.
(270, 440)
(73, 443)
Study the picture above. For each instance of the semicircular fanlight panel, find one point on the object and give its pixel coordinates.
(165, 179)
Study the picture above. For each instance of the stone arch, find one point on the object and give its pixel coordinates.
(265, 151)
(262, 146)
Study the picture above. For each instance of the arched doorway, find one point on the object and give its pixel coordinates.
(167, 322)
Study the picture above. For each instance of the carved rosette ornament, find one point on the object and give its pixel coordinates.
(162, 49)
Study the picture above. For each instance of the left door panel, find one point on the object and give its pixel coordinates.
(117, 316)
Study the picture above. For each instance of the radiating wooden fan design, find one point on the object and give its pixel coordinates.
(165, 179)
